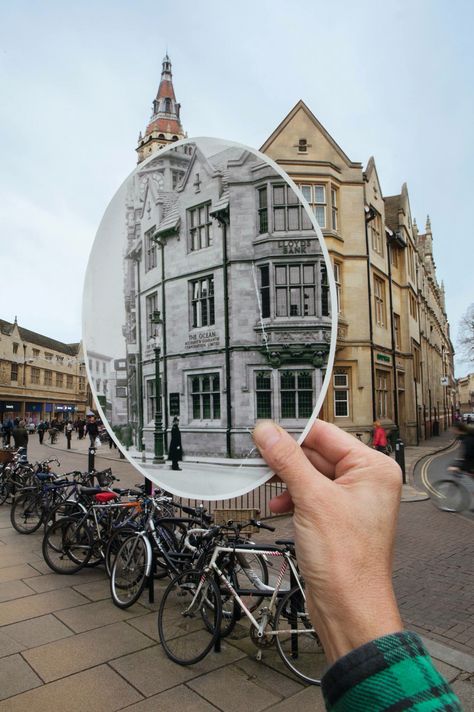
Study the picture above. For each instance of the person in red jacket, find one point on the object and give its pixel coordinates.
(379, 441)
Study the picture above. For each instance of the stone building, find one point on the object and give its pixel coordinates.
(234, 287)
(40, 378)
(394, 358)
(465, 394)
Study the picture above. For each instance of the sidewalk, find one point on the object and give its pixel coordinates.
(415, 453)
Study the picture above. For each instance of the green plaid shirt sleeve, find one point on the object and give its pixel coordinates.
(390, 674)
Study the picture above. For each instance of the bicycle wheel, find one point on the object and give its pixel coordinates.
(67, 546)
(183, 629)
(451, 496)
(27, 513)
(5, 487)
(251, 571)
(297, 642)
(129, 572)
(114, 544)
(65, 508)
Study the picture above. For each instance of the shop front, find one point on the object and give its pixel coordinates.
(33, 412)
(9, 410)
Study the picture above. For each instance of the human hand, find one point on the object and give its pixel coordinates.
(345, 499)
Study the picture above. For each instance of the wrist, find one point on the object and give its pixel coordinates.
(346, 622)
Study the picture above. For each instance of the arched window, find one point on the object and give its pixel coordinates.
(168, 105)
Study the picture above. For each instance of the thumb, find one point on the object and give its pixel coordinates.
(286, 458)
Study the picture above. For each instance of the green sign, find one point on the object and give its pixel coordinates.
(384, 358)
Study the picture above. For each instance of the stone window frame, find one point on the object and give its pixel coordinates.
(151, 305)
(397, 330)
(59, 380)
(202, 305)
(35, 375)
(315, 195)
(380, 301)
(69, 381)
(203, 227)
(301, 410)
(341, 383)
(376, 232)
(337, 271)
(382, 390)
(150, 250)
(47, 377)
(14, 371)
(206, 400)
(263, 409)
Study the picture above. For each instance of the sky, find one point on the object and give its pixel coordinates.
(77, 80)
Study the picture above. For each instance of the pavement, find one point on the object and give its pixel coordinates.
(65, 647)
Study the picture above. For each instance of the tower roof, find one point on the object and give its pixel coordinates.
(165, 123)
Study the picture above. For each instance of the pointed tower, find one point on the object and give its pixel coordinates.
(165, 123)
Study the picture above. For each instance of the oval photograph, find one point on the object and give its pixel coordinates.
(210, 303)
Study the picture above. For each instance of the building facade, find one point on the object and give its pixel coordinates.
(40, 378)
(394, 358)
(465, 394)
(234, 293)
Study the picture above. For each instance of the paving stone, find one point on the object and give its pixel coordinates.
(308, 700)
(38, 605)
(94, 591)
(178, 698)
(52, 582)
(40, 566)
(16, 676)
(12, 558)
(465, 691)
(82, 651)
(8, 645)
(16, 573)
(37, 631)
(147, 624)
(150, 671)
(10, 590)
(97, 690)
(269, 679)
(449, 672)
(97, 614)
(231, 690)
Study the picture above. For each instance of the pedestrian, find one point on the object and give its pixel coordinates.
(175, 452)
(68, 433)
(41, 429)
(7, 430)
(92, 429)
(80, 428)
(345, 500)
(379, 439)
(20, 435)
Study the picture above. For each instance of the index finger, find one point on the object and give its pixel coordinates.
(334, 444)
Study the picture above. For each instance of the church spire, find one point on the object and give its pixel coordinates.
(165, 123)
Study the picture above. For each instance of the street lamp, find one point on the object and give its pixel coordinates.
(158, 434)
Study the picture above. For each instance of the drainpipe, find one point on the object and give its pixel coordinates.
(164, 380)
(370, 215)
(140, 361)
(392, 334)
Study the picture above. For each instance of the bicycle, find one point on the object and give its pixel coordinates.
(191, 610)
(453, 494)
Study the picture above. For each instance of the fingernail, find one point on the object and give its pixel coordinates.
(266, 434)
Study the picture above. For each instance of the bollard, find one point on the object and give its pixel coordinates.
(400, 457)
(91, 460)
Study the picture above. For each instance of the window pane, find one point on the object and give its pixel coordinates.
(196, 408)
(287, 379)
(206, 406)
(288, 404)
(293, 218)
(206, 383)
(306, 190)
(279, 218)
(262, 198)
(280, 275)
(294, 274)
(216, 399)
(263, 380)
(305, 404)
(340, 379)
(307, 224)
(281, 306)
(320, 215)
(319, 194)
(308, 274)
(305, 380)
(279, 195)
(215, 382)
(292, 198)
(295, 305)
(264, 404)
(264, 276)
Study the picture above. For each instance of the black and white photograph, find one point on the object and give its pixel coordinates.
(215, 308)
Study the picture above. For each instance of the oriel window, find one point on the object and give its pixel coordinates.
(295, 290)
(288, 214)
(265, 291)
(202, 302)
(150, 250)
(262, 211)
(316, 197)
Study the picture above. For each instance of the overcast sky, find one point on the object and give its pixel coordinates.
(391, 79)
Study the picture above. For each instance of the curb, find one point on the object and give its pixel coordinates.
(450, 656)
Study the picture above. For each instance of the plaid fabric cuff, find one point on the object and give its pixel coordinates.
(390, 674)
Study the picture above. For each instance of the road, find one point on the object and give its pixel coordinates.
(435, 468)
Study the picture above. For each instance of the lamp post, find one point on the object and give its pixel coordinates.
(158, 434)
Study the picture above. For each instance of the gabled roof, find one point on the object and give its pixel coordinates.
(34, 338)
(392, 208)
(301, 106)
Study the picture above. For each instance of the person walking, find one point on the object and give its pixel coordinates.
(7, 432)
(379, 441)
(68, 433)
(20, 435)
(41, 429)
(175, 452)
(92, 429)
